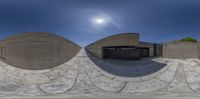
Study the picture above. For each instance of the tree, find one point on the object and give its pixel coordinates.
(188, 39)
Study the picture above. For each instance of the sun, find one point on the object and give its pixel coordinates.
(99, 20)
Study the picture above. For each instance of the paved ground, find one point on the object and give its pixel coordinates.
(86, 75)
(103, 97)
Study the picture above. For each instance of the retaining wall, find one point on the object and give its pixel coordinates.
(37, 50)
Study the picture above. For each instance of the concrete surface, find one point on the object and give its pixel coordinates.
(103, 97)
(37, 50)
(83, 76)
(182, 49)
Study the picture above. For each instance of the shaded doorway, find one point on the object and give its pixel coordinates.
(125, 52)
(144, 52)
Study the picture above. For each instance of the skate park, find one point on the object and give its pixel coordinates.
(44, 64)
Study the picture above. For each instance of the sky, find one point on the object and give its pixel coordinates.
(85, 21)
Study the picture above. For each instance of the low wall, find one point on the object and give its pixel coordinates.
(181, 50)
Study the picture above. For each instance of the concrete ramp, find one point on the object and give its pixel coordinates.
(88, 75)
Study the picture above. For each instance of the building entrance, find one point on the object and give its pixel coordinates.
(125, 52)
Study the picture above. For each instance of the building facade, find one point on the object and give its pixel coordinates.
(124, 46)
(39, 50)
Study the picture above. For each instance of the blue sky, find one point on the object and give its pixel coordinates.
(155, 20)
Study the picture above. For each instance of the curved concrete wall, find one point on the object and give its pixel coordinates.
(37, 50)
(125, 39)
(181, 50)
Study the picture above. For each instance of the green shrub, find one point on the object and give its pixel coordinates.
(188, 39)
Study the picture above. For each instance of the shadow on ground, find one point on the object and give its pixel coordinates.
(128, 68)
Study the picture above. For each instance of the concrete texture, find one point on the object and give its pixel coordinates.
(85, 74)
(103, 97)
(181, 50)
(36, 50)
